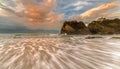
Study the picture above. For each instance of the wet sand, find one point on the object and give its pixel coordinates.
(74, 52)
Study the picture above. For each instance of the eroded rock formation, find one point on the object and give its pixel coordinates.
(105, 26)
(74, 27)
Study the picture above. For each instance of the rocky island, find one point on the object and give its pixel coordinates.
(100, 26)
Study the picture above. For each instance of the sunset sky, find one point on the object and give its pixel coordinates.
(37, 15)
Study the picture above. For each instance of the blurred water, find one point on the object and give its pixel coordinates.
(59, 52)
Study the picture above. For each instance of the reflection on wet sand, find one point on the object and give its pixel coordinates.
(59, 53)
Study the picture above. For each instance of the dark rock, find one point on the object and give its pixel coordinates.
(115, 37)
(74, 27)
(101, 26)
(93, 37)
(105, 27)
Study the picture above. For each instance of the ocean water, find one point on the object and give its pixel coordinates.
(59, 52)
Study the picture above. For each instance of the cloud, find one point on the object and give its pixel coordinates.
(37, 15)
(41, 16)
(77, 4)
(114, 15)
(78, 8)
(2, 12)
(95, 12)
(100, 11)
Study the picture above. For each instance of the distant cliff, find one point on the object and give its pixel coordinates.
(101, 26)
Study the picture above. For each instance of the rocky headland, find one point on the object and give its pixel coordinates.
(100, 26)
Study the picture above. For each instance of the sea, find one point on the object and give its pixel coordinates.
(54, 51)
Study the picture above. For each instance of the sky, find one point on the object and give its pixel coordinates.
(32, 15)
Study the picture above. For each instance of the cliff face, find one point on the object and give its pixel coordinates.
(105, 27)
(95, 27)
(74, 27)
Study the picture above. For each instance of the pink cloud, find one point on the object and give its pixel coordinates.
(40, 16)
(100, 11)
